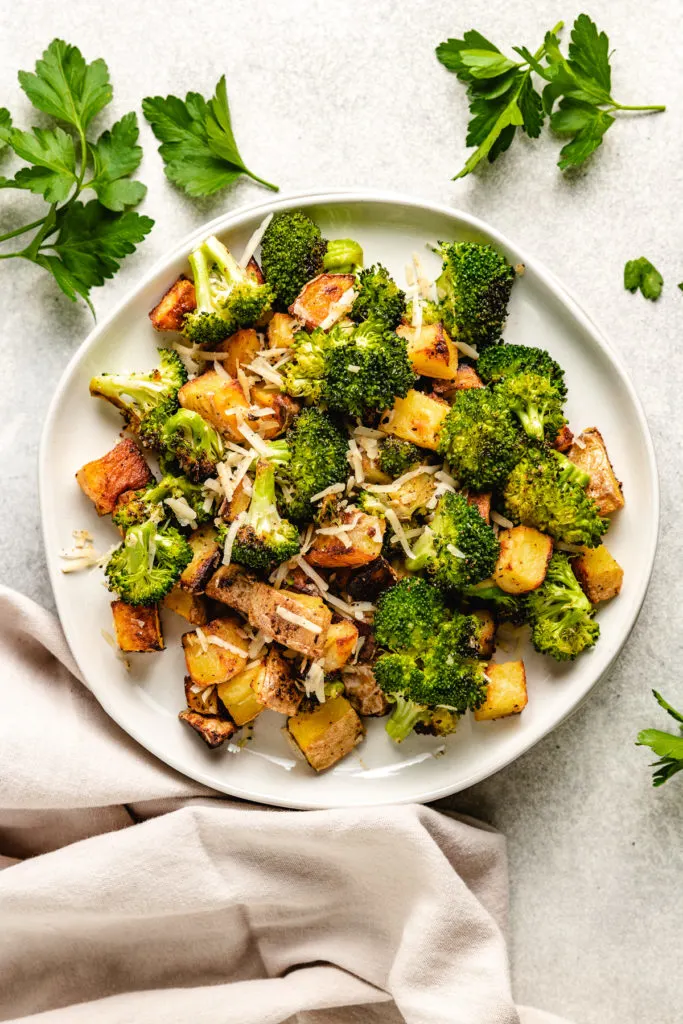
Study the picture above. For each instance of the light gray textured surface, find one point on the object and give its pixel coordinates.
(327, 95)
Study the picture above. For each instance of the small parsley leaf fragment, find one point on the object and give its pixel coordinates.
(66, 87)
(667, 746)
(641, 274)
(115, 156)
(52, 155)
(197, 142)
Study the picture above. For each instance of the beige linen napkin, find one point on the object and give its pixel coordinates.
(130, 895)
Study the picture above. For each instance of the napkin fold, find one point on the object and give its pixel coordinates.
(130, 894)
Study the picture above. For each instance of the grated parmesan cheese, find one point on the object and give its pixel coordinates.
(467, 350)
(230, 538)
(314, 682)
(218, 641)
(456, 552)
(298, 620)
(201, 636)
(183, 512)
(572, 549)
(393, 521)
(312, 574)
(243, 382)
(356, 461)
(254, 439)
(332, 489)
(396, 484)
(501, 521)
(361, 431)
(220, 370)
(257, 644)
(338, 308)
(265, 370)
(254, 242)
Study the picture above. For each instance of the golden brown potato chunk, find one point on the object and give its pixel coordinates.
(326, 734)
(281, 330)
(217, 400)
(214, 731)
(358, 546)
(254, 272)
(190, 606)
(241, 348)
(104, 480)
(362, 691)
(234, 586)
(238, 695)
(416, 418)
(316, 298)
(431, 351)
(523, 559)
(487, 634)
(180, 299)
(564, 439)
(482, 503)
(284, 410)
(506, 692)
(341, 640)
(589, 453)
(137, 627)
(371, 580)
(240, 501)
(201, 699)
(211, 652)
(599, 574)
(266, 613)
(206, 554)
(276, 687)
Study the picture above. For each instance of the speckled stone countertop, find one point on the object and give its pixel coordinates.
(329, 95)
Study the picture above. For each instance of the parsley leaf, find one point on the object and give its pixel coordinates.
(67, 88)
(640, 274)
(5, 124)
(667, 746)
(502, 95)
(53, 156)
(115, 156)
(197, 142)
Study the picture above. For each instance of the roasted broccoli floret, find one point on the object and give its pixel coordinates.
(474, 289)
(366, 369)
(227, 297)
(425, 685)
(292, 252)
(193, 443)
(151, 502)
(561, 616)
(502, 361)
(431, 312)
(379, 297)
(350, 371)
(264, 539)
(397, 457)
(343, 256)
(505, 607)
(538, 494)
(318, 448)
(458, 548)
(148, 563)
(409, 615)
(570, 473)
(536, 402)
(145, 399)
(480, 439)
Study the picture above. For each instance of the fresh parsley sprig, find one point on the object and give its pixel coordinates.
(667, 746)
(502, 95)
(197, 142)
(81, 245)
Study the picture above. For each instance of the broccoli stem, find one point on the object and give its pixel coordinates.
(570, 473)
(404, 718)
(200, 272)
(531, 420)
(263, 515)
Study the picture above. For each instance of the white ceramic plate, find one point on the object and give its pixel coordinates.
(146, 700)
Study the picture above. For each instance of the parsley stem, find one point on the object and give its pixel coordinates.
(620, 106)
(9, 255)
(261, 181)
(21, 231)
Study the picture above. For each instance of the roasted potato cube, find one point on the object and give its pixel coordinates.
(217, 400)
(316, 298)
(372, 579)
(238, 695)
(190, 606)
(180, 299)
(254, 272)
(232, 585)
(506, 692)
(416, 418)
(467, 378)
(281, 330)
(201, 699)
(240, 501)
(599, 574)
(564, 439)
(482, 503)
(241, 348)
(211, 655)
(326, 734)
(265, 612)
(341, 640)
(523, 559)
(487, 633)
(430, 350)
(137, 627)
(589, 453)
(206, 553)
(276, 687)
(358, 546)
(362, 691)
(104, 480)
(284, 411)
(213, 731)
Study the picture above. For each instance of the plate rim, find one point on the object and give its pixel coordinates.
(226, 221)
